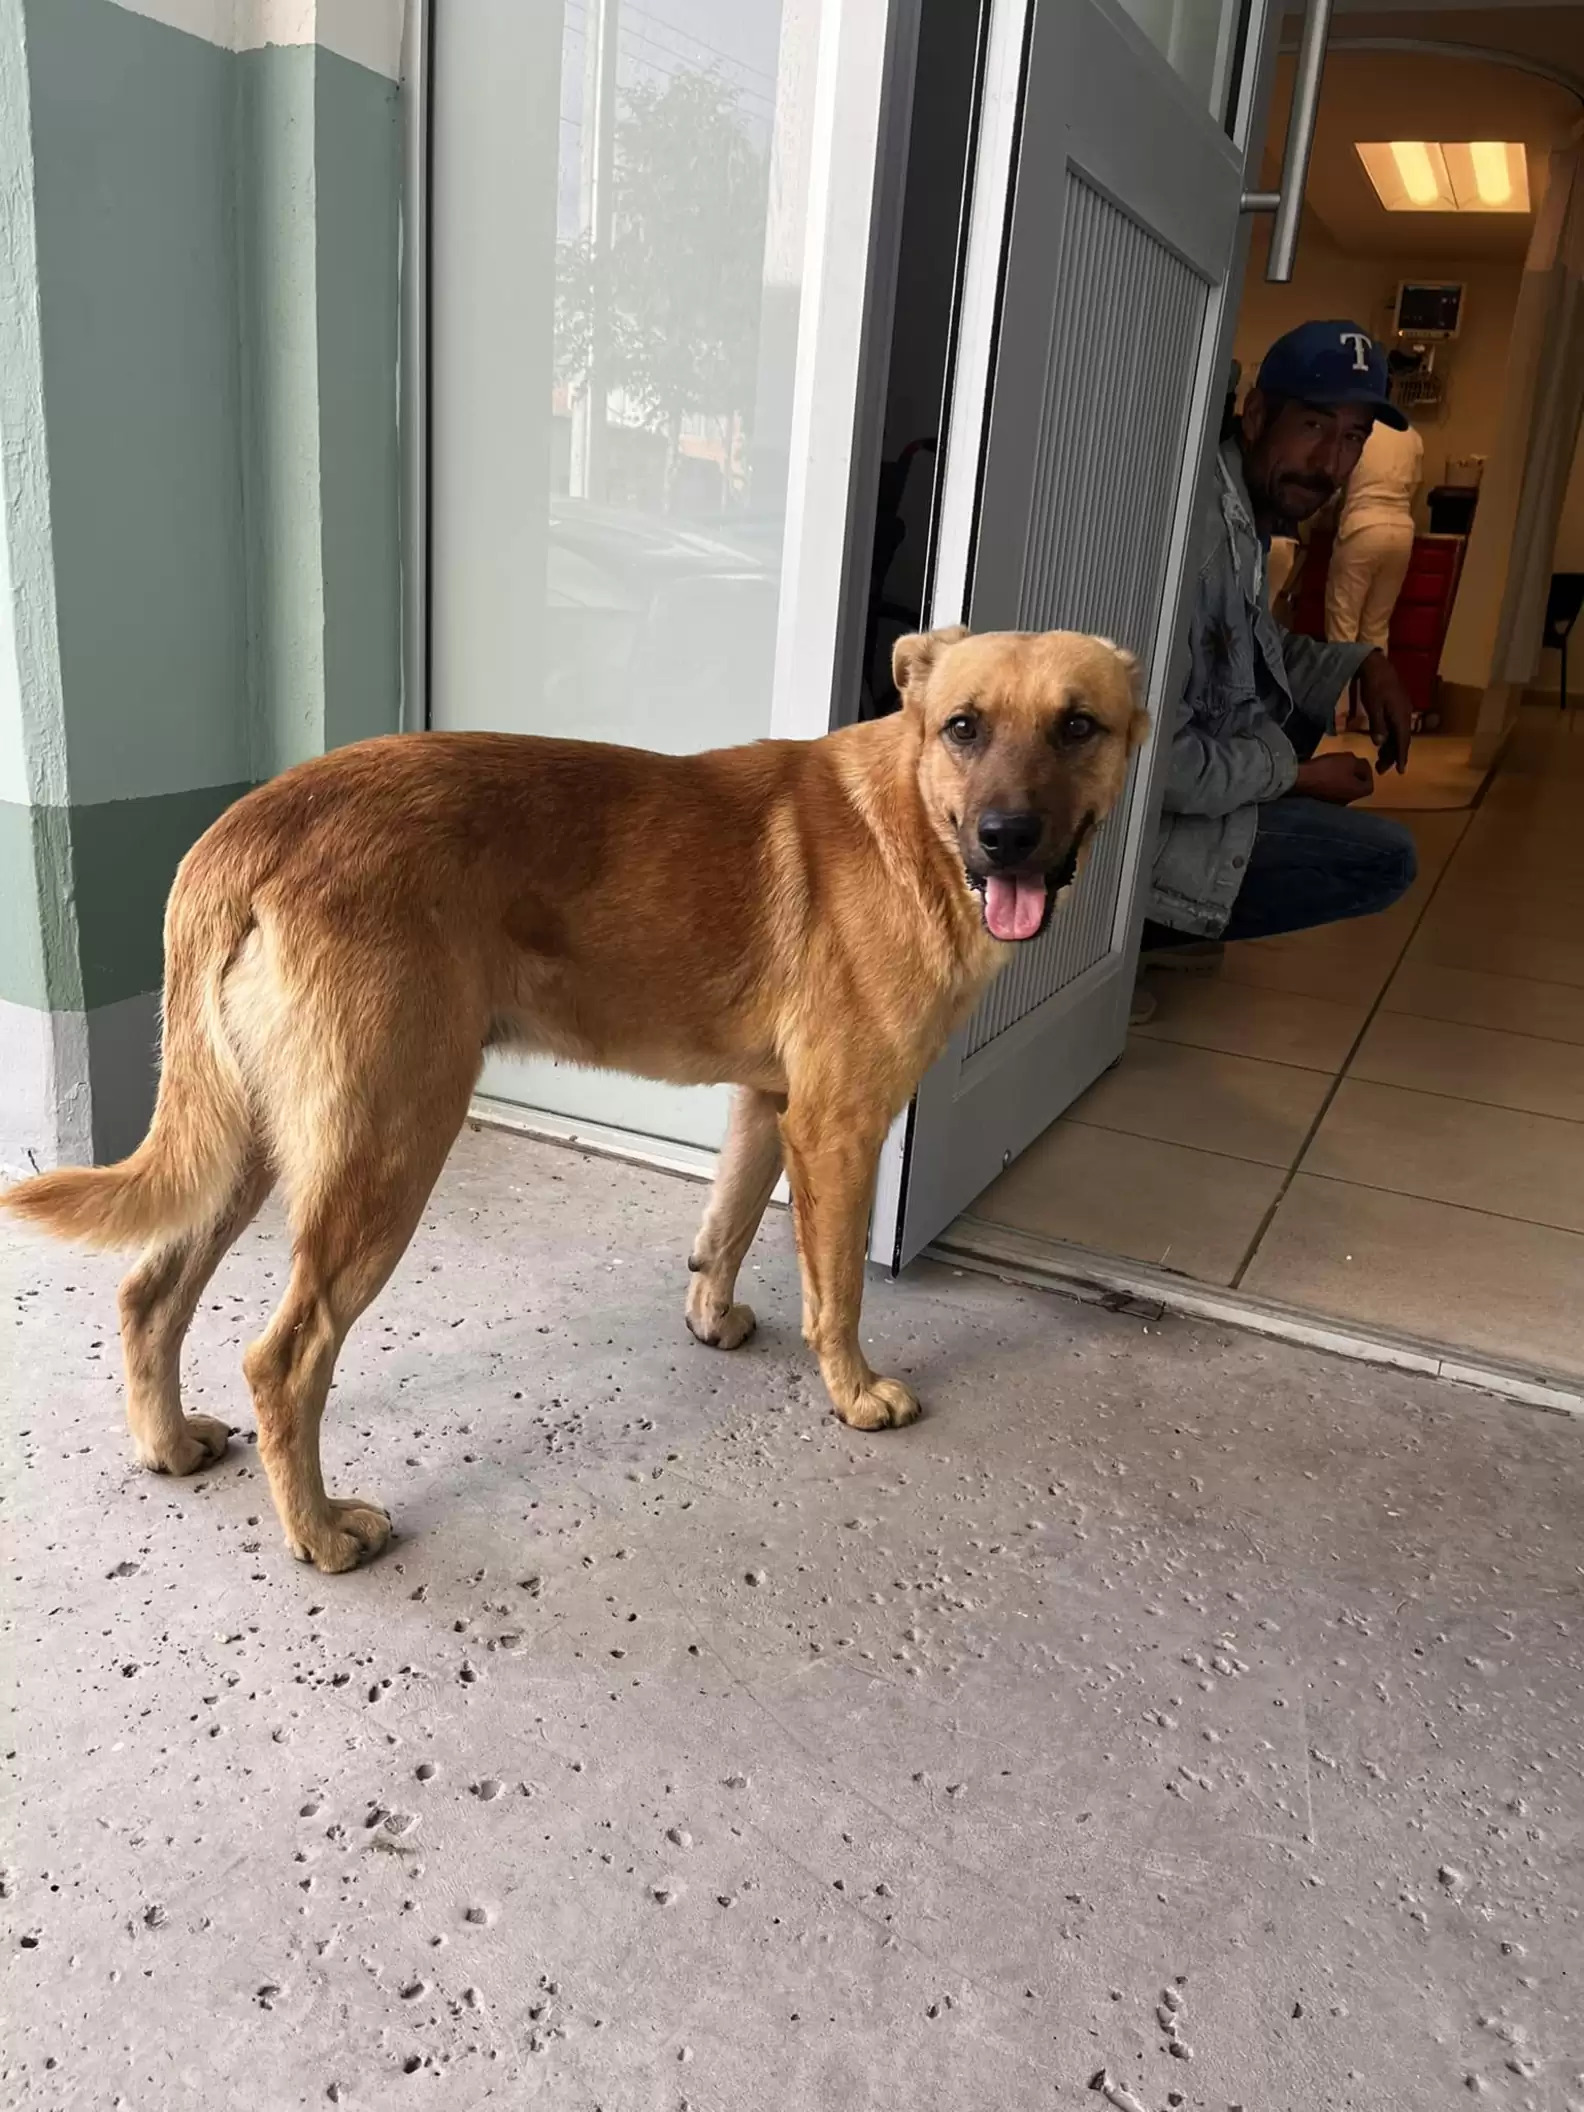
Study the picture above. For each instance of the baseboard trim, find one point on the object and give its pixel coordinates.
(666, 1153)
(1457, 707)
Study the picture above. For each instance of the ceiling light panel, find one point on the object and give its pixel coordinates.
(1488, 175)
(1447, 176)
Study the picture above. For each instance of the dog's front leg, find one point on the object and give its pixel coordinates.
(750, 1165)
(832, 1148)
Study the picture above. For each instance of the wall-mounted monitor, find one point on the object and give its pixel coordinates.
(1428, 312)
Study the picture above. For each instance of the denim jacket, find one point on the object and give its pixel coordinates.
(1230, 752)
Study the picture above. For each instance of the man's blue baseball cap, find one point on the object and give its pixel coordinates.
(1331, 364)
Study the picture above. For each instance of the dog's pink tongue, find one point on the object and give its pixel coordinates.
(1013, 908)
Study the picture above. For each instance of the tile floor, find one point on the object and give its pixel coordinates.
(1382, 1121)
(1443, 774)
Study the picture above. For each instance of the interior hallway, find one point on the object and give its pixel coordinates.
(686, 1749)
(1381, 1121)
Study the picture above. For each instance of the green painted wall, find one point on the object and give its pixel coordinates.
(358, 286)
(200, 576)
(32, 740)
(102, 874)
(38, 930)
(218, 245)
(135, 210)
(319, 247)
(279, 334)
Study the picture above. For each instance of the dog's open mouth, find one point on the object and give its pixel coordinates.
(1017, 906)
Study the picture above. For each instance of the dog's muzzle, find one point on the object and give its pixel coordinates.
(1017, 906)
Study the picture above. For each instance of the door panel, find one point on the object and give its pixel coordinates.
(1126, 333)
(1112, 328)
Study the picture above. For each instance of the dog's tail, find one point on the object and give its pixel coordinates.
(189, 1164)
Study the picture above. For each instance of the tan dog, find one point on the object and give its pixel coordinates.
(805, 920)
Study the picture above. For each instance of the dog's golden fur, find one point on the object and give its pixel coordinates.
(793, 918)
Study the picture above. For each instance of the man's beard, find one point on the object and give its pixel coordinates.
(1293, 499)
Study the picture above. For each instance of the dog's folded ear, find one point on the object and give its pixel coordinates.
(1133, 668)
(912, 657)
(1133, 676)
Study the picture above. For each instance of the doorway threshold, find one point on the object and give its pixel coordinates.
(666, 1154)
(1135, 1287)
(1095, 1278)
(694, 1162)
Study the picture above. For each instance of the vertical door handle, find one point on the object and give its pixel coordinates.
(1287, 203)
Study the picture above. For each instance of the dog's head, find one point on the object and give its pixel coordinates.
(1026, 740)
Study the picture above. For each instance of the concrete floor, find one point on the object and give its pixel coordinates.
(688, 1750)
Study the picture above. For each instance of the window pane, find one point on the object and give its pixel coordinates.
(1196, 37)
(618, 211)
(679, 241)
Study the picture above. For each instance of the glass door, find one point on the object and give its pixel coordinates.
(650, 223)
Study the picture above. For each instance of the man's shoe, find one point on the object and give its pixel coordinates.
(1143, 1008)
(1192, 957)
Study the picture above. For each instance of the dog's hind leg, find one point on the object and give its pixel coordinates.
(750, 1165)
(350, 1233)
(157, 1303)
(360, 1148)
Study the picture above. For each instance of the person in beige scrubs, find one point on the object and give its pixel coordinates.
(1374, 539)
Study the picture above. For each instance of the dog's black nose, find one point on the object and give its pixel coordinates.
(1007, 837)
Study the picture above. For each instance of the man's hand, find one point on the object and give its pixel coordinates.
(1338, 778)
(1388, 709)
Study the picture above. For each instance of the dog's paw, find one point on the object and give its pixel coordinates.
(199, 1443)
(718, 1326)
(883, 1404)
(351, 1532)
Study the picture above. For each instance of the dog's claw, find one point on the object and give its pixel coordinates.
(202, 1441)
(885, 1404)
(727, 1329)
(353, 1533)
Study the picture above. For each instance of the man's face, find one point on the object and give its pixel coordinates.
(1296, 456)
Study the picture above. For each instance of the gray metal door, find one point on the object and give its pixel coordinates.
(1094, 328)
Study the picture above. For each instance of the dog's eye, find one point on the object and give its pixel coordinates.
(1076, 728)
(961, 729)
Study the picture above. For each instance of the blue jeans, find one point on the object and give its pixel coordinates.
(1313, 863)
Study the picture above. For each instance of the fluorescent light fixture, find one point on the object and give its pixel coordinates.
(1489, 176)
(1421, 177)
(1492, 177)
(1409, 175)
(1448, 176)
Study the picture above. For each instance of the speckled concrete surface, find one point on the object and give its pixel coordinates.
(1166, 1703)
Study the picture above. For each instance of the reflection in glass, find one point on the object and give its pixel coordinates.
(681, 174)
(620, 194)
(1196, 38)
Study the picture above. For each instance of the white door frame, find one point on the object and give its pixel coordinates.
(972, 356)
(868, 49)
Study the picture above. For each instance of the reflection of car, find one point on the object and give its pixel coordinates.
(659, 623)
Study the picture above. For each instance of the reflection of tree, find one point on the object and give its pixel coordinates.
(668, 317)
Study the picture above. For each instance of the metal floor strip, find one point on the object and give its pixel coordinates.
(1106, 1279)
